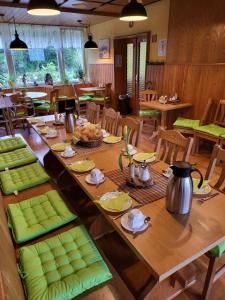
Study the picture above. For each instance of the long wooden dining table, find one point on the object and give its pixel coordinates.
(172, 241)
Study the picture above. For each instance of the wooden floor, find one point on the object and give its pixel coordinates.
(118, 253)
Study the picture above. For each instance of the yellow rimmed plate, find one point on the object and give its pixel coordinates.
(82, 166)
(144, 156)
(43, 130)
(204, 190)
(111, 202)
(112, 139)
(59, 146)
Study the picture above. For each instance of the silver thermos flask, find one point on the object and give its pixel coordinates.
(70, 121)
(179, 191)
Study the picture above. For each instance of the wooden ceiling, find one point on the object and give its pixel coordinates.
(89, 11)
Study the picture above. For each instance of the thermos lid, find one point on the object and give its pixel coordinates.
(69, 110)
(181, 169)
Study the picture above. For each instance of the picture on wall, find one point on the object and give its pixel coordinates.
(104, 50)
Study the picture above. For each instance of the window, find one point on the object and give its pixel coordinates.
(4, 75)
(35, 63)
(73, 63)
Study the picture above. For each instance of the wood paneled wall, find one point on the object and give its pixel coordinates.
(155, 74)
(101, 73)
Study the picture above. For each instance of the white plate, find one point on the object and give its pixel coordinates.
(68, 156)
(153, 158)
(125, 225)
(110, 195)
(51, 136)
(89, 180)
(133, 152)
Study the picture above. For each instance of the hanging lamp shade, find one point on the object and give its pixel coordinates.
(18, 44)
(133, 11)
(90, 44)
(43, 8)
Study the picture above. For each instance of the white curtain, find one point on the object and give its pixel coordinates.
(37, 36)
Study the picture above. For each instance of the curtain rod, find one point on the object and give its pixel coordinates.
(61, 26)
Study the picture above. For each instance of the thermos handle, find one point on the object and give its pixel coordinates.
(201, 177)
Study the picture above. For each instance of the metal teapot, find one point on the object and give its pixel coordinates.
(70, 121)
(180, 188)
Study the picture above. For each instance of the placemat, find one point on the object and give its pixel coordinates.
(142, 195)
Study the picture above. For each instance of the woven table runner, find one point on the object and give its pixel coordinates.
(85, 151)
(141, 195)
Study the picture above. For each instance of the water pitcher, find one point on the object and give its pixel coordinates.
(70, 121)
(180, 188)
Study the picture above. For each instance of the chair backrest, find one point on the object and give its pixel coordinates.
(218, 155)
(77, 91)
(170, 143)
(110, 120)
(93, 111)
(108, 87)
(149, 95)
(220, 113)
(135, 130)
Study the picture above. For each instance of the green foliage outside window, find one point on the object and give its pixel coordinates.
(4, 75)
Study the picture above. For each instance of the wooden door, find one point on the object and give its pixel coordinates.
(130, 55)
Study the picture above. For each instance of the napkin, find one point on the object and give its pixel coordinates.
(117, 203)
(60, 146)
(144, 156)
(83, 166)
(196, 182)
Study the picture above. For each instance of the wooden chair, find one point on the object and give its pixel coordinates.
(149, 114)
(186, 126)
(82, 98)
(93, 111)
(213, 273)
(135, 127)
(105, 98)
(110, 120)
(49, 107)
(172, 143)
(214, 130)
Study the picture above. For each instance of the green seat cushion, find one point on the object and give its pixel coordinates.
(45, 106)
(20, 114)
(100, 98)
(90, 94)
(187, 123)
(212, 129)
(11, 144)
(16, 158)
(40, 102)
(62, 267)
(13, 181)
(38, 215)
(218, 250)
(84, 98)
(149, 113)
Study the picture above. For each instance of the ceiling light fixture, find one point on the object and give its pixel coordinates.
(17, 44)
(43, 8)
(133, 11)
(90, 44)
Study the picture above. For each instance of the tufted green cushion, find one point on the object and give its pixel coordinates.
(149, 113)
(187, 123)
(218, 250)
(100, 98)
(38, 215)
(11, 144)
(62, 267)
(212, 129)
(16, 180)
(84, 98)
(44, 106)
(16, 158)
(90, 94)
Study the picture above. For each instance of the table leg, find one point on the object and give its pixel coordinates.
(164, 119)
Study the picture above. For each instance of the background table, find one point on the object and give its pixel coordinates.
(35, 95)
(92, 89)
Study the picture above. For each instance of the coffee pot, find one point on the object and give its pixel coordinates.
(180, 188)
(70, 121)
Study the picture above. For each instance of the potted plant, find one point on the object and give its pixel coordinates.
(80, 73)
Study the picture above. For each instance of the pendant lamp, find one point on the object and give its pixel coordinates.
(133, 11)
(43, 8)
(90, 44)
(17, 44)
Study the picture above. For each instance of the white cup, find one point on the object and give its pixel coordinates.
(96, 175)
(68, 151)
(135, 219)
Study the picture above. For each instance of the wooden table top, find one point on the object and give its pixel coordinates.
(172, 241)
(164, 107)
(92, 89)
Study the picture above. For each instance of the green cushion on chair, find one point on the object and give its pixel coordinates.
(40, 102)
(45, 106)
(62, 97)
(187, 123)
(100, 99)
(11, 144)
(38, 215)
(62, 267)
(218, 250)
(84, 98)
(16, 158)
(212, 129)
(90, 94)
(149, 113)
(16, 180)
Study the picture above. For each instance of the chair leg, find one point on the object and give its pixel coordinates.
(209, 278)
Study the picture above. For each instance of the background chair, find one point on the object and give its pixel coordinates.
(135, 129)
(110, 120)
(171, 143)
(82, 98)
(49, 107)
(105, 98)
(93, 111)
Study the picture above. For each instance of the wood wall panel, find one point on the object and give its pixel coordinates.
(101, 73)
(155, 73)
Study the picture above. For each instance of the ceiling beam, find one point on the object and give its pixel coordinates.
(63, 9)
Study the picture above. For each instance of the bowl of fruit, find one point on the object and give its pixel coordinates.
(89, 136)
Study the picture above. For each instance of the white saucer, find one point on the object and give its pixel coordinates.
(68, 156)
(125, 225)
(51, 136)
(90, 181)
